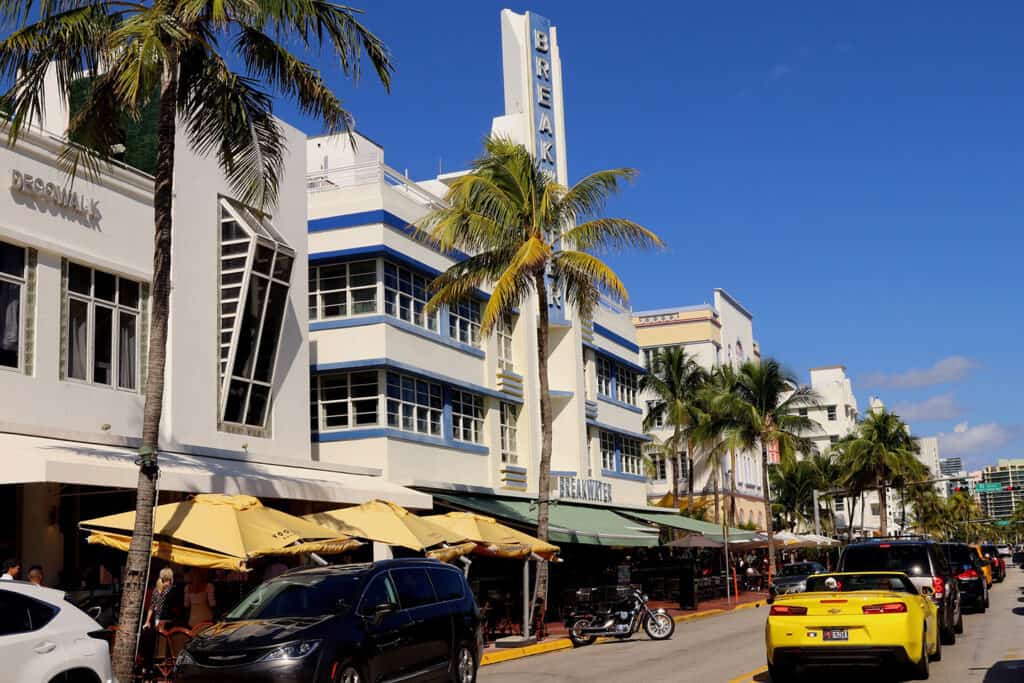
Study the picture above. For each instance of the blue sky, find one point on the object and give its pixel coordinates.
(852, 172)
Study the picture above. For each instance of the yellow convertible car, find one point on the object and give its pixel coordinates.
(855, 619)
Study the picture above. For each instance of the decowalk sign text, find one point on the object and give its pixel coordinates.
(48, 191)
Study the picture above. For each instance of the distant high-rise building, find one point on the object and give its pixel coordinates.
(950, 467)
(1009, 475)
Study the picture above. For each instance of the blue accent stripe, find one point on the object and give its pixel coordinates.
(618, 339)
(402, 367)
(380, 319)
(619, 430)
(359, 218)
(622, 475)
(632, 365)
(563, 473)
(515, 468)
(621, 404)
(392, 433)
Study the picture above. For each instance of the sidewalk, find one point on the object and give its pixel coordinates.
(557, 634)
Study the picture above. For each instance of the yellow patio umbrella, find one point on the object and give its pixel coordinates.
(385, 522)
(494, 538)
(220, 532)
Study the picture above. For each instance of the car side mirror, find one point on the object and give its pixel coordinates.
(927, 591)
(384, 609)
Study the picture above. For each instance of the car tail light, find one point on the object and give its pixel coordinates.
(787, 611)
(885, 608)
(939, 586)
(969, 574)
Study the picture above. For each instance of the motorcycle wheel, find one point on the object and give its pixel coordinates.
(576, 633)
(659, 627)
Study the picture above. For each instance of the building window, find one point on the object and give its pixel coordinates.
(405, 296)
(659, 417)
(255, 276)
(464, 322)
(605, 370)
(833, 439)
(802, 412)
(102, 315)
(626, 385)
(607, 451)
(504, 335)
(340, 290)
(344, 400)
(414, 405)
(13, 279)
(831, 413)
(509, 446)
(467, 416)
(632, 462)
(659, 467)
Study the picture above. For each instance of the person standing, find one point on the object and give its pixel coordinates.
(200, 598)
(159, 615)
(35, 574)
(12, 568)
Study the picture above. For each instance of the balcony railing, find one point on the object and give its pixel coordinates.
(369, 173)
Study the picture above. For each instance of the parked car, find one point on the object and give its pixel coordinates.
(45, 638)
(921, 559)
(792, 578)
(986, 564)
(991, 553)
(842, 619)
(409, 620)
(969, 577)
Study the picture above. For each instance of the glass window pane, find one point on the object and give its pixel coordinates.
(272, 323)
(364, 300)
(12, 260)
(335, 304)
(78, 340)
(126, 351)
(236, 402)
(10, 324)
(259, 397)
(105, 286)
(79, 279)
(128, 292)
(332, 278)
(230, 230)
(283, 267)
(249, 330)
(336, 415)
(103, 346)
(363, 273)
(264, 257)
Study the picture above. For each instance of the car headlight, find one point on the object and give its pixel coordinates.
(184, 659)
(297, 650)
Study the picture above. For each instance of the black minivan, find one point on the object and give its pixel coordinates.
(409, 620)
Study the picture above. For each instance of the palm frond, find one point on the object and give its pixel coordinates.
(589, 195)
(584, 278)
(611, 235)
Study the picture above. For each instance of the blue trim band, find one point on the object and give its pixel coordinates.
(563, 473)
(360, 218)
(560, 393)
(621, 404)
(619, 430)
(402, 367)
(383, 319)
(618, 339)
(515, 468)
(632, 365)
(392, 433)
(622, 475)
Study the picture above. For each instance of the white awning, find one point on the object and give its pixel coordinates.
(29, 459)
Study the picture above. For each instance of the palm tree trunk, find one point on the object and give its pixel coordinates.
(544, 472)
(883, 516)
(717, 483)
(689, 476)
(769, 527)
(123, 656)
(732, 487)
(852, 510)
(677, 467)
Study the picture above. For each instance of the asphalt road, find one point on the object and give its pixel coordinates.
(729, 648)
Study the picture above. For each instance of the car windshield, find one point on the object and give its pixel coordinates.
(300, 595)
(801, 569)
(912, 560)
(844, 583)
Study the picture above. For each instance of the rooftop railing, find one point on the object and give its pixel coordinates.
(369, 173)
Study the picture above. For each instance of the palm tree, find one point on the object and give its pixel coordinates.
(793, 483)
(724, 381)
(765, 411)
(176, 55)
(529, 236)
(826, 465)
(880, 453)
(675, 380)
(962, 509)
(929, 510)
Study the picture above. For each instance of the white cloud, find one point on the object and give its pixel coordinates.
(977, 440)
(949, 369)
(960, 427)
(941, 407)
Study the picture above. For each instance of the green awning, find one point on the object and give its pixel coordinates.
(569, 523)
(696, 526)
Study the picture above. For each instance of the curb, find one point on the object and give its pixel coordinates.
(512, 653)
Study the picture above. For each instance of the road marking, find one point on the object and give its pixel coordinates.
(749, 676)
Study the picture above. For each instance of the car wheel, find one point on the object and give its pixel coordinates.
(937, 655)
(781, 674)
(464, 665)
(348, 672)
(947, 634)
(958, 627)
(921, 671)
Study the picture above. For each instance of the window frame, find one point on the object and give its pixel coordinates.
(509, 432)
(627, 384)
(117, 310)
(22, 283)
(831, 413)
(317, 295)
(605, 379)
(504, 331)
(460, 400)
(630, 459)
(349, 401)
(414, 403)
(606, 438)
(464, 321)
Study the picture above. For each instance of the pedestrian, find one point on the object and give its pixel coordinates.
(11, 570)
(35, 575)
(159, 615)
(200, 598)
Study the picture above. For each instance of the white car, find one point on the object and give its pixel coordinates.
(45, 639)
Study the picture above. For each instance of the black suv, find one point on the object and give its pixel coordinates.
(924, 561)
(413, 620)
(969, 576)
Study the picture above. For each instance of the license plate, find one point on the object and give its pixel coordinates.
(835, 634)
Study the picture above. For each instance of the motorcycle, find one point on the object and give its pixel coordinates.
(622, 613)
